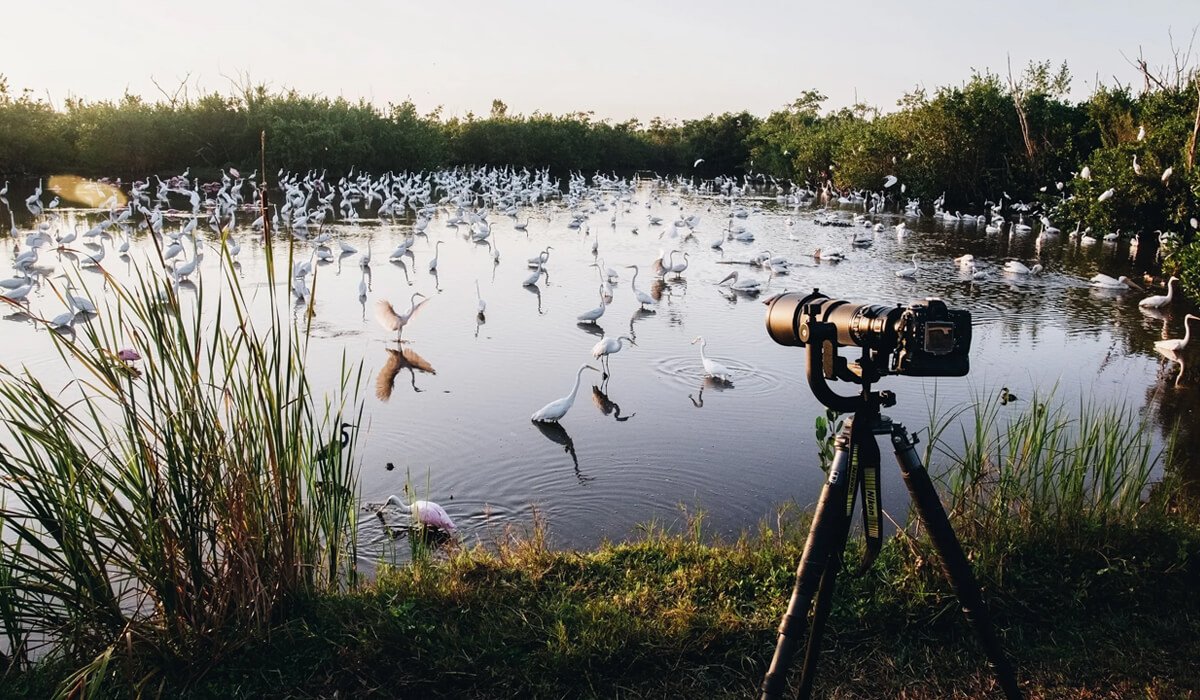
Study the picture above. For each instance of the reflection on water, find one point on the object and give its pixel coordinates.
(557, 434)
(404, 359)
(606, 405)
(465, 427)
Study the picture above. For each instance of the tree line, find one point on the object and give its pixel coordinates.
(1021, 138)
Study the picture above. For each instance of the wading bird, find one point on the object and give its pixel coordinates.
(1161, 300)
(642, 297)
(422, 513)
(609, 346)
(392, 321)
(712, 368)
(1170, 349)
(334, 447)
(555, 410)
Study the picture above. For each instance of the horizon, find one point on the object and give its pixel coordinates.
(462, 69)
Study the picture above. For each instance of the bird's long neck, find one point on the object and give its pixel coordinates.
(1187, 330)
(633, 282)
(575, 389)
(703, 357)
(1171, 292)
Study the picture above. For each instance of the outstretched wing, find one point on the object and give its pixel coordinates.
(386, 314)
(417, 308)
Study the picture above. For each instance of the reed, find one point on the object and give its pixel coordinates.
(1047, 464)
(162, 513)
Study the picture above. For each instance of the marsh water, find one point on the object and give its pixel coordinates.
(448, 411)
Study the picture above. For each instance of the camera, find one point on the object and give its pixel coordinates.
(923, 339)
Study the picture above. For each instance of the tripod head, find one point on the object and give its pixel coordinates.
(824, 363)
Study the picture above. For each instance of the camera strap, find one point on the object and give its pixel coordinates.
(868, 484)
(865, 479)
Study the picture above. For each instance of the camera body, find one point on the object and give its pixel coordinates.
(923, 339)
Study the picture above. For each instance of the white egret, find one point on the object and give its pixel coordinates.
(1137, 168)
(392, 321)
(17, 293)
(592, 315)
(1173, 347)
(1106, 194)
(1166, 175)
(909, 272)
(555, 410)
(541, 258)
(434, 262)
(1161, 300)
(642, 297)
(1016, 267)
(679, 268)
(712, 368)
(362, 285)
(533, 279)
(609, 346)
(423, 513)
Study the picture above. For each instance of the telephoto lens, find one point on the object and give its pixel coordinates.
(922, 339)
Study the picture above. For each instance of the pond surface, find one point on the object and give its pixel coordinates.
(450, 412)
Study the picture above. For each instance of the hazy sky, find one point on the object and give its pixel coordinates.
(618, 58)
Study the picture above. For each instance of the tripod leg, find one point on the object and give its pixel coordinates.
(821, 608)
(826, 536)
(954, 562)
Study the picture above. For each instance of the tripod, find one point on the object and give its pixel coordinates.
(855, 469)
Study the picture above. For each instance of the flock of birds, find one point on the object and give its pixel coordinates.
(180, 211)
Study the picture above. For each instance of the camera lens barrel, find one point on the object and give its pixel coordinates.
(864, 325)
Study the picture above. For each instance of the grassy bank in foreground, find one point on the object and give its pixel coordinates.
(1106, 612)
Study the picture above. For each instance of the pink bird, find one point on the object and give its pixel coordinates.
(128, 355)
(424, 513)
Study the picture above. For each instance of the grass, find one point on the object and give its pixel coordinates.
(1112, 612)
(157, 516)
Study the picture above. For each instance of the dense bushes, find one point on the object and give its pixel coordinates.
(973, 143)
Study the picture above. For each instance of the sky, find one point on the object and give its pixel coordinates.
(619, 59)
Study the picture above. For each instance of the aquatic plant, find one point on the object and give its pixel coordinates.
(173, 507)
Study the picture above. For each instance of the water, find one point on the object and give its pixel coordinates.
(449, 414)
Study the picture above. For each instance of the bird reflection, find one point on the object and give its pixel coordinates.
(536, 291)
(403, 268)
(557, 434)
(397, 360)
(591, 329)
(606, 405)
(709, 383)
(637, 316)
(656, 289)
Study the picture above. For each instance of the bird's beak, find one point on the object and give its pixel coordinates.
(1134, 285)
(727, 278)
